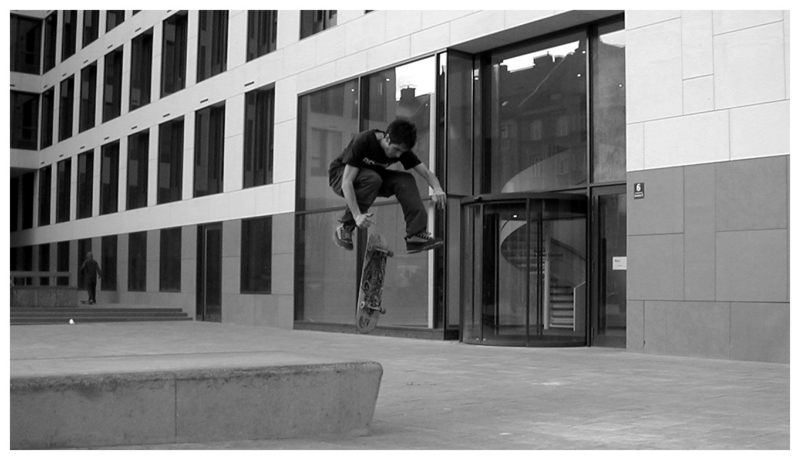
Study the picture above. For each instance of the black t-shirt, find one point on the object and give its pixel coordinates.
(91, 268)
(365, 151)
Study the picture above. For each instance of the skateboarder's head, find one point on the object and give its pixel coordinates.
(402, 136)
(89, 256)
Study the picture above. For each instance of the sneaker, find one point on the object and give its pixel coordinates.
(422, 241)
(343, 237)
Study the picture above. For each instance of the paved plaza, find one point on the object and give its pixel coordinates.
(449, 395)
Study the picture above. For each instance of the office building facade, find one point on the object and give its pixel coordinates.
(614, 178)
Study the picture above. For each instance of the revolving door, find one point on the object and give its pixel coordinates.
(524, 272)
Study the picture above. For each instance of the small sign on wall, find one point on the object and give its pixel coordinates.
(619, 263)
(638, 190)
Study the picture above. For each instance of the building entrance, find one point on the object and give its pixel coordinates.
(525, 269)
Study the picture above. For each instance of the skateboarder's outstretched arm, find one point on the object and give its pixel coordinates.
(438, 196)
(349, 192)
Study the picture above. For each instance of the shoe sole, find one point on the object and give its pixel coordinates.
(425, 248)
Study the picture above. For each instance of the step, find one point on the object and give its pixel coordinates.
(96, 312)
(91, 309)
(207, 404)
(43, 321)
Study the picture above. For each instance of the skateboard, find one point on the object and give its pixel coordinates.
(371, 287)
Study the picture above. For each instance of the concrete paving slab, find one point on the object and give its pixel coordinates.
(448, 395)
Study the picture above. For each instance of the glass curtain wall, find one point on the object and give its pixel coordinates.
(535, 126)
(326, 274)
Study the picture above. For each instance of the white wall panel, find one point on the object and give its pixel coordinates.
(749, 66)
(701, 138)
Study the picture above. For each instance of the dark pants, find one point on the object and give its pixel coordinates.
(91, 287)
(370, 184)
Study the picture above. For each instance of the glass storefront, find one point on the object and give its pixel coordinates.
(529, 142)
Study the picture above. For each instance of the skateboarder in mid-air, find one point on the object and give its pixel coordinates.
(360, 174)
(91, 270)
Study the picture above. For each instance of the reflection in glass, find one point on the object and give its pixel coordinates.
(405, 287)
(326, 272)
(328, 120)
(409, 92)
(537, 133)
(608, 105)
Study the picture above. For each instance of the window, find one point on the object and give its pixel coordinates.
(44, 263)
(173, 53)
(313, 21)
(26, 40)
(256, 256)
(27, 199)
(24, 120)
(170, 161)
(63, 171)
(62, 262)
(327, 120)
(108, 263)
(320, 140)
(85, 182)
(45, 180)
(65, 101)
(50, 35)
(48, 105)
(138, 148)
(137, 261)
(209, 150)
(259, 118)
(262, 32)
(14, 203)
(170, 260)
(212, 44)
(91, 26)
(141, 69)
(114, 18)
(69, 34)
(608, 104)
(88, 96)
(14, 199)
(537, 140)
(112, 89)
(109, 177)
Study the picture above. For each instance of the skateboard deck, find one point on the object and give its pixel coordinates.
(370, 289)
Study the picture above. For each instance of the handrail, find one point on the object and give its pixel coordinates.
(517, 196)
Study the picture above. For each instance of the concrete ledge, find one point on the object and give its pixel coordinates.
(118, 409)
(44, 296)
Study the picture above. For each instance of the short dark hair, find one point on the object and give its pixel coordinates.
(402, 131)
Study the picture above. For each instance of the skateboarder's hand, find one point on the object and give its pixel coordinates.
(439, 198)
(364, 220)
